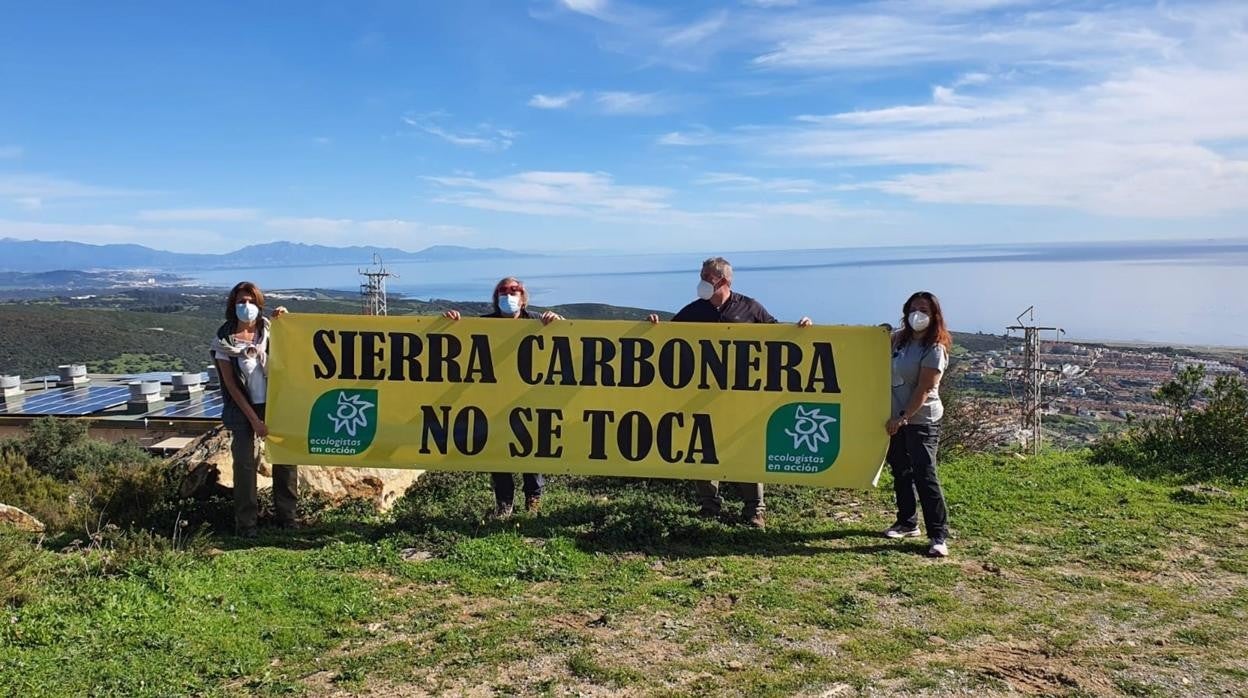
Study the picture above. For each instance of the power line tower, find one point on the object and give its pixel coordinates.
(373, 290)
(1032, 373)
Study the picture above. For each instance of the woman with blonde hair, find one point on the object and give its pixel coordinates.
(511, 301)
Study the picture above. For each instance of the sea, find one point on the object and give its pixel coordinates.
(1180, 293)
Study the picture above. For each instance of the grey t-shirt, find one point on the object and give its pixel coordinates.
(907, 360)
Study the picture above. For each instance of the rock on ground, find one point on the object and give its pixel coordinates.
(12, 516)
(207, 466)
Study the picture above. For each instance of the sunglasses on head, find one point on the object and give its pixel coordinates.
(508, 290)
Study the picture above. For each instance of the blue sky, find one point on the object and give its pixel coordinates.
(610, 125)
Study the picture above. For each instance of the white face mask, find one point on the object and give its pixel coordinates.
(247, 312)
(509, 303)
(919, 321)
(705, 290)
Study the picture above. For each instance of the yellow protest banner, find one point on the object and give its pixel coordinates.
(707, 401)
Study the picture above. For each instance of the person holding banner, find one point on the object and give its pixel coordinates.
(511, 300)
(717, 302)
(920, 356)
(240, 352)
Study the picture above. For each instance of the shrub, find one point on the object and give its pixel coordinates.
(125, 494)
(112, 551)
(60, 447)
(965, 426)
(18, 560)
(1203, 437)
(39, 495)
(71, 482)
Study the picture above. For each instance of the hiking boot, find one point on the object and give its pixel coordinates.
(756, 520)
(939, 548)
(706, 512)
(500, 512)
(533, 505)
(901, 531)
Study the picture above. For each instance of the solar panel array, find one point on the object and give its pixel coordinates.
(165, 377)
(68, 402)
(207, 406)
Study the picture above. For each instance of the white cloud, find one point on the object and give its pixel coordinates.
(175, 239)
(947, 107)
(934, 33)
(655, 34)
(818, 210)
(697, 32)
(483, 137)
(391, 232)
(322, 140)
(1129, 110)
(1135, 145)
(562, 101)
(554, 194)
(596, 196)
(685, 138)
(631, 103)
(732, 181)
(593, 8)
(10, 152)
(30, 203)
(969, 79)
(47, 188)
(199, 215)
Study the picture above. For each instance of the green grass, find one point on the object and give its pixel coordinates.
(1076, 578)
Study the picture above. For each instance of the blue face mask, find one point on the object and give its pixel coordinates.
(510, 303)
(247, 312)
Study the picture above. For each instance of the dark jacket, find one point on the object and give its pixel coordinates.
(737, 308)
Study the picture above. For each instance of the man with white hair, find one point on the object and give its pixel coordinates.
(717, 302)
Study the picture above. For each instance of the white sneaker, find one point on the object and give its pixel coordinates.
(939, 548)
(900, 531)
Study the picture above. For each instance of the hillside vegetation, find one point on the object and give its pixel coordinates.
(1067, 578)
(168, 330)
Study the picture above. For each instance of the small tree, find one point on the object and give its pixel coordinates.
(966, 425)
(1179, 394)
(1194, 442)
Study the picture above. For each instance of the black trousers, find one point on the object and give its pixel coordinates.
(505, 487)
(912, 458)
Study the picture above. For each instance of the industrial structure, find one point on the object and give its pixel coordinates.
(1032, 375)
(373, 289)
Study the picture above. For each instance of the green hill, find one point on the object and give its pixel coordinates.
(1065, 579)
(137, 330)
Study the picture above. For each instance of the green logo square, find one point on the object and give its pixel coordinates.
(343, 422)
(803, 437)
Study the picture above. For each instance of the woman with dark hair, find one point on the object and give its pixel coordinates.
(920, 356)
(240, 352)
(511, 300)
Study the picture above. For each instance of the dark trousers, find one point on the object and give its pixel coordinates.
(505, 487)
(245, 450)
(912, 458)
(751, 494)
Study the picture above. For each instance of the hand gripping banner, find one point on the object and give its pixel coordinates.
(698, 401)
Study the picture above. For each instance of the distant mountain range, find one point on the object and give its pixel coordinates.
(40, 256)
